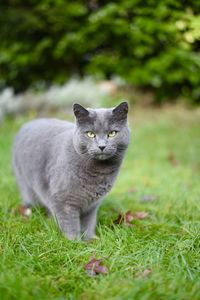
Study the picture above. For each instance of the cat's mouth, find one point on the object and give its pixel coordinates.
(103, 156)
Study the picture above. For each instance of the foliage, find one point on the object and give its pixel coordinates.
(54, 98)
(153, 45)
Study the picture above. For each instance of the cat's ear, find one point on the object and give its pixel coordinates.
(80, 112)
(120, 112)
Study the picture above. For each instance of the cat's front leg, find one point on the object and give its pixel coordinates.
(88, 223)
(68, 219)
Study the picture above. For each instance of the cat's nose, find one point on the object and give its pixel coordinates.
(102, 147)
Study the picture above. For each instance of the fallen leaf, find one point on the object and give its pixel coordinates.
(140, 215)
(132, 190)
(172, 159)
(126, 219)
(129, 217)
(148, 198)
(94, 267)
(24, 211)
(120, 219)
(144, 274)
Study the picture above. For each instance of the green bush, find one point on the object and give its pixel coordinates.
(152, 45)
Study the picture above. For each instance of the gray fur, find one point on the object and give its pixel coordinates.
(58, 166)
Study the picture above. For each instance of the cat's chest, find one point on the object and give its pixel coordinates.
(95, 184)
(92, 191)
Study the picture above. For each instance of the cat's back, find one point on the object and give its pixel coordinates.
(45, 125)
(38, 136)
(44, 128)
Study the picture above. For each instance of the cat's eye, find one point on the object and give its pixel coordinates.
(112, 133)
(91, 134)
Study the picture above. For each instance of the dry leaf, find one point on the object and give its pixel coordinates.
(126, 219)
(119, 220)
(144, 274)
(24, 211)
(172, 159)
(147, 198)
(94, 267)
(140, 215)
(129, 217)
(132, 190)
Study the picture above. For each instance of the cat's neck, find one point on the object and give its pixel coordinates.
(107, 166)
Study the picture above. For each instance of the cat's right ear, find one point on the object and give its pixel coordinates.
(80, 113)
(120, 112)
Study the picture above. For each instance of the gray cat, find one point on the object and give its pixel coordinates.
(69, 168)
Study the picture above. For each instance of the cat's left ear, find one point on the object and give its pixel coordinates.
(80, 113)
(120, 112)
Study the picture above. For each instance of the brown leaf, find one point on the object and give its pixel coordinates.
(94, 267)
(125, 219)
(24, 211)
(172, 159)
(132, 190)
(144, 274)
(120, 219)
(147, 198)
(140, 215)
(129, 217)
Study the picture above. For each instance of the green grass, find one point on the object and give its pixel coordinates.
(37, 262)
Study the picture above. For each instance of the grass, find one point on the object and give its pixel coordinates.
(37, 262)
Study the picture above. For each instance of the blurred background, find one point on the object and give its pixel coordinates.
(53, 53)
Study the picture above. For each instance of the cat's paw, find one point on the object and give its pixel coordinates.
(72, 237)
(91, 237)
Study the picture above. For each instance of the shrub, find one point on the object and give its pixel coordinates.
(152, 45)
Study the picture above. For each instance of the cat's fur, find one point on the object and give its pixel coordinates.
(57, 165)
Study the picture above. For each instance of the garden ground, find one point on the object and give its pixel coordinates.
(162, 163)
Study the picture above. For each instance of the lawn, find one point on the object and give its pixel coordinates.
(163, 161)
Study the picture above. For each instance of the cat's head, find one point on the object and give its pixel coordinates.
(101, 133)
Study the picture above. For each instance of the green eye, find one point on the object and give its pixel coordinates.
(91, 134)
(112, 133)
